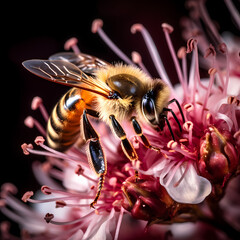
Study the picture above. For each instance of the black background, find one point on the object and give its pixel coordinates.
(39, 29)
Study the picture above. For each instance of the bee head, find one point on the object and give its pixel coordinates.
(154, 101)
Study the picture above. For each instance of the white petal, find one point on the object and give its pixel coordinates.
(192, 188)
(78, 183)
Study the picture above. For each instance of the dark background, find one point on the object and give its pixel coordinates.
(39, 29)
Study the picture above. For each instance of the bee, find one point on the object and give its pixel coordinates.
(112, 93)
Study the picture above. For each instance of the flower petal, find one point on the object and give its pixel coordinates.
(186, 186)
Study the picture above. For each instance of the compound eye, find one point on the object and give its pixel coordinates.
(148, 109)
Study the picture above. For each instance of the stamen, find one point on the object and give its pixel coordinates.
(97, 28)
(233, 11)
(223, 48)
(37, 103)
(167, 29)
(119, 223)
(188, 126)
(181, 149)
(26, 147)
(48, 217)
(74, 221)
(31, 122)
(211, 72)
(71, 43)
(208, 22)
(27, 195)
(136, 57)
(153, 52)
(182, 55)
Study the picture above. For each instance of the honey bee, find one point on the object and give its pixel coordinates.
(112, 93)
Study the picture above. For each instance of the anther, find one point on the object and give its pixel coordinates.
(60, 204)
(188, 126)
(39, 140)
(136, 57)
(222, 47)
(46, 190)
(48, 217)
(36, 102)
(29, 122)
(188, 107)
(25, 148)
(181, 52)
(136, 28)
(79, 170)
(210, 51)
(167, 27)
(7, 188)
(191, 45)
(212, 71)
(172, 144)
(97, 23)
(27, 195)
(72, 44)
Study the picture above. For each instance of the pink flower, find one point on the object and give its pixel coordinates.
(198, 163)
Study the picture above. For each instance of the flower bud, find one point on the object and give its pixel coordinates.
(218, 156)
(146, 199)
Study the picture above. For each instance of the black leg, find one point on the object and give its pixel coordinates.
(175, 117)
(96, 156)
(169, 126)
(138, 131)
(179, 107)
(127, 147)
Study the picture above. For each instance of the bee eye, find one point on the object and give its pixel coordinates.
(148, 107)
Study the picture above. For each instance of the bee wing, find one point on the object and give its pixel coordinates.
(87, 63)
(66, 73)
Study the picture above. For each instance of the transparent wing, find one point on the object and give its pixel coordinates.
(66, 73)
(87, 63)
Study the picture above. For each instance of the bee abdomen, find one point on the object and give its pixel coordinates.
(64, 123)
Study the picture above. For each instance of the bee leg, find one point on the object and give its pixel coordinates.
(127, 147)
(138, 131)
(175, 117)
(96, 156)
(163, 116)
(179, 107)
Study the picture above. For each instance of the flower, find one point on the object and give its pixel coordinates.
(164, 187)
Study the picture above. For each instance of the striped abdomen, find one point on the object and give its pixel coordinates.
(64, 123)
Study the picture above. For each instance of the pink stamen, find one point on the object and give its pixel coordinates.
(153, 51)
(54, 153)
(31, 122)
(72, 44)
(37, 103)
(223, 48)
(233, 11)
(119, 223)
(167, 29)
(188, 126)
(27, 195)
(136, 58)
(205, 17)
(97, 28)
(74, 221)
(211, 72)
(181, 149)
(26, 147)
(46, 190)
(7, 188)
(182, 55)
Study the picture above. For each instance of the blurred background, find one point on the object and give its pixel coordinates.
(40, 29)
